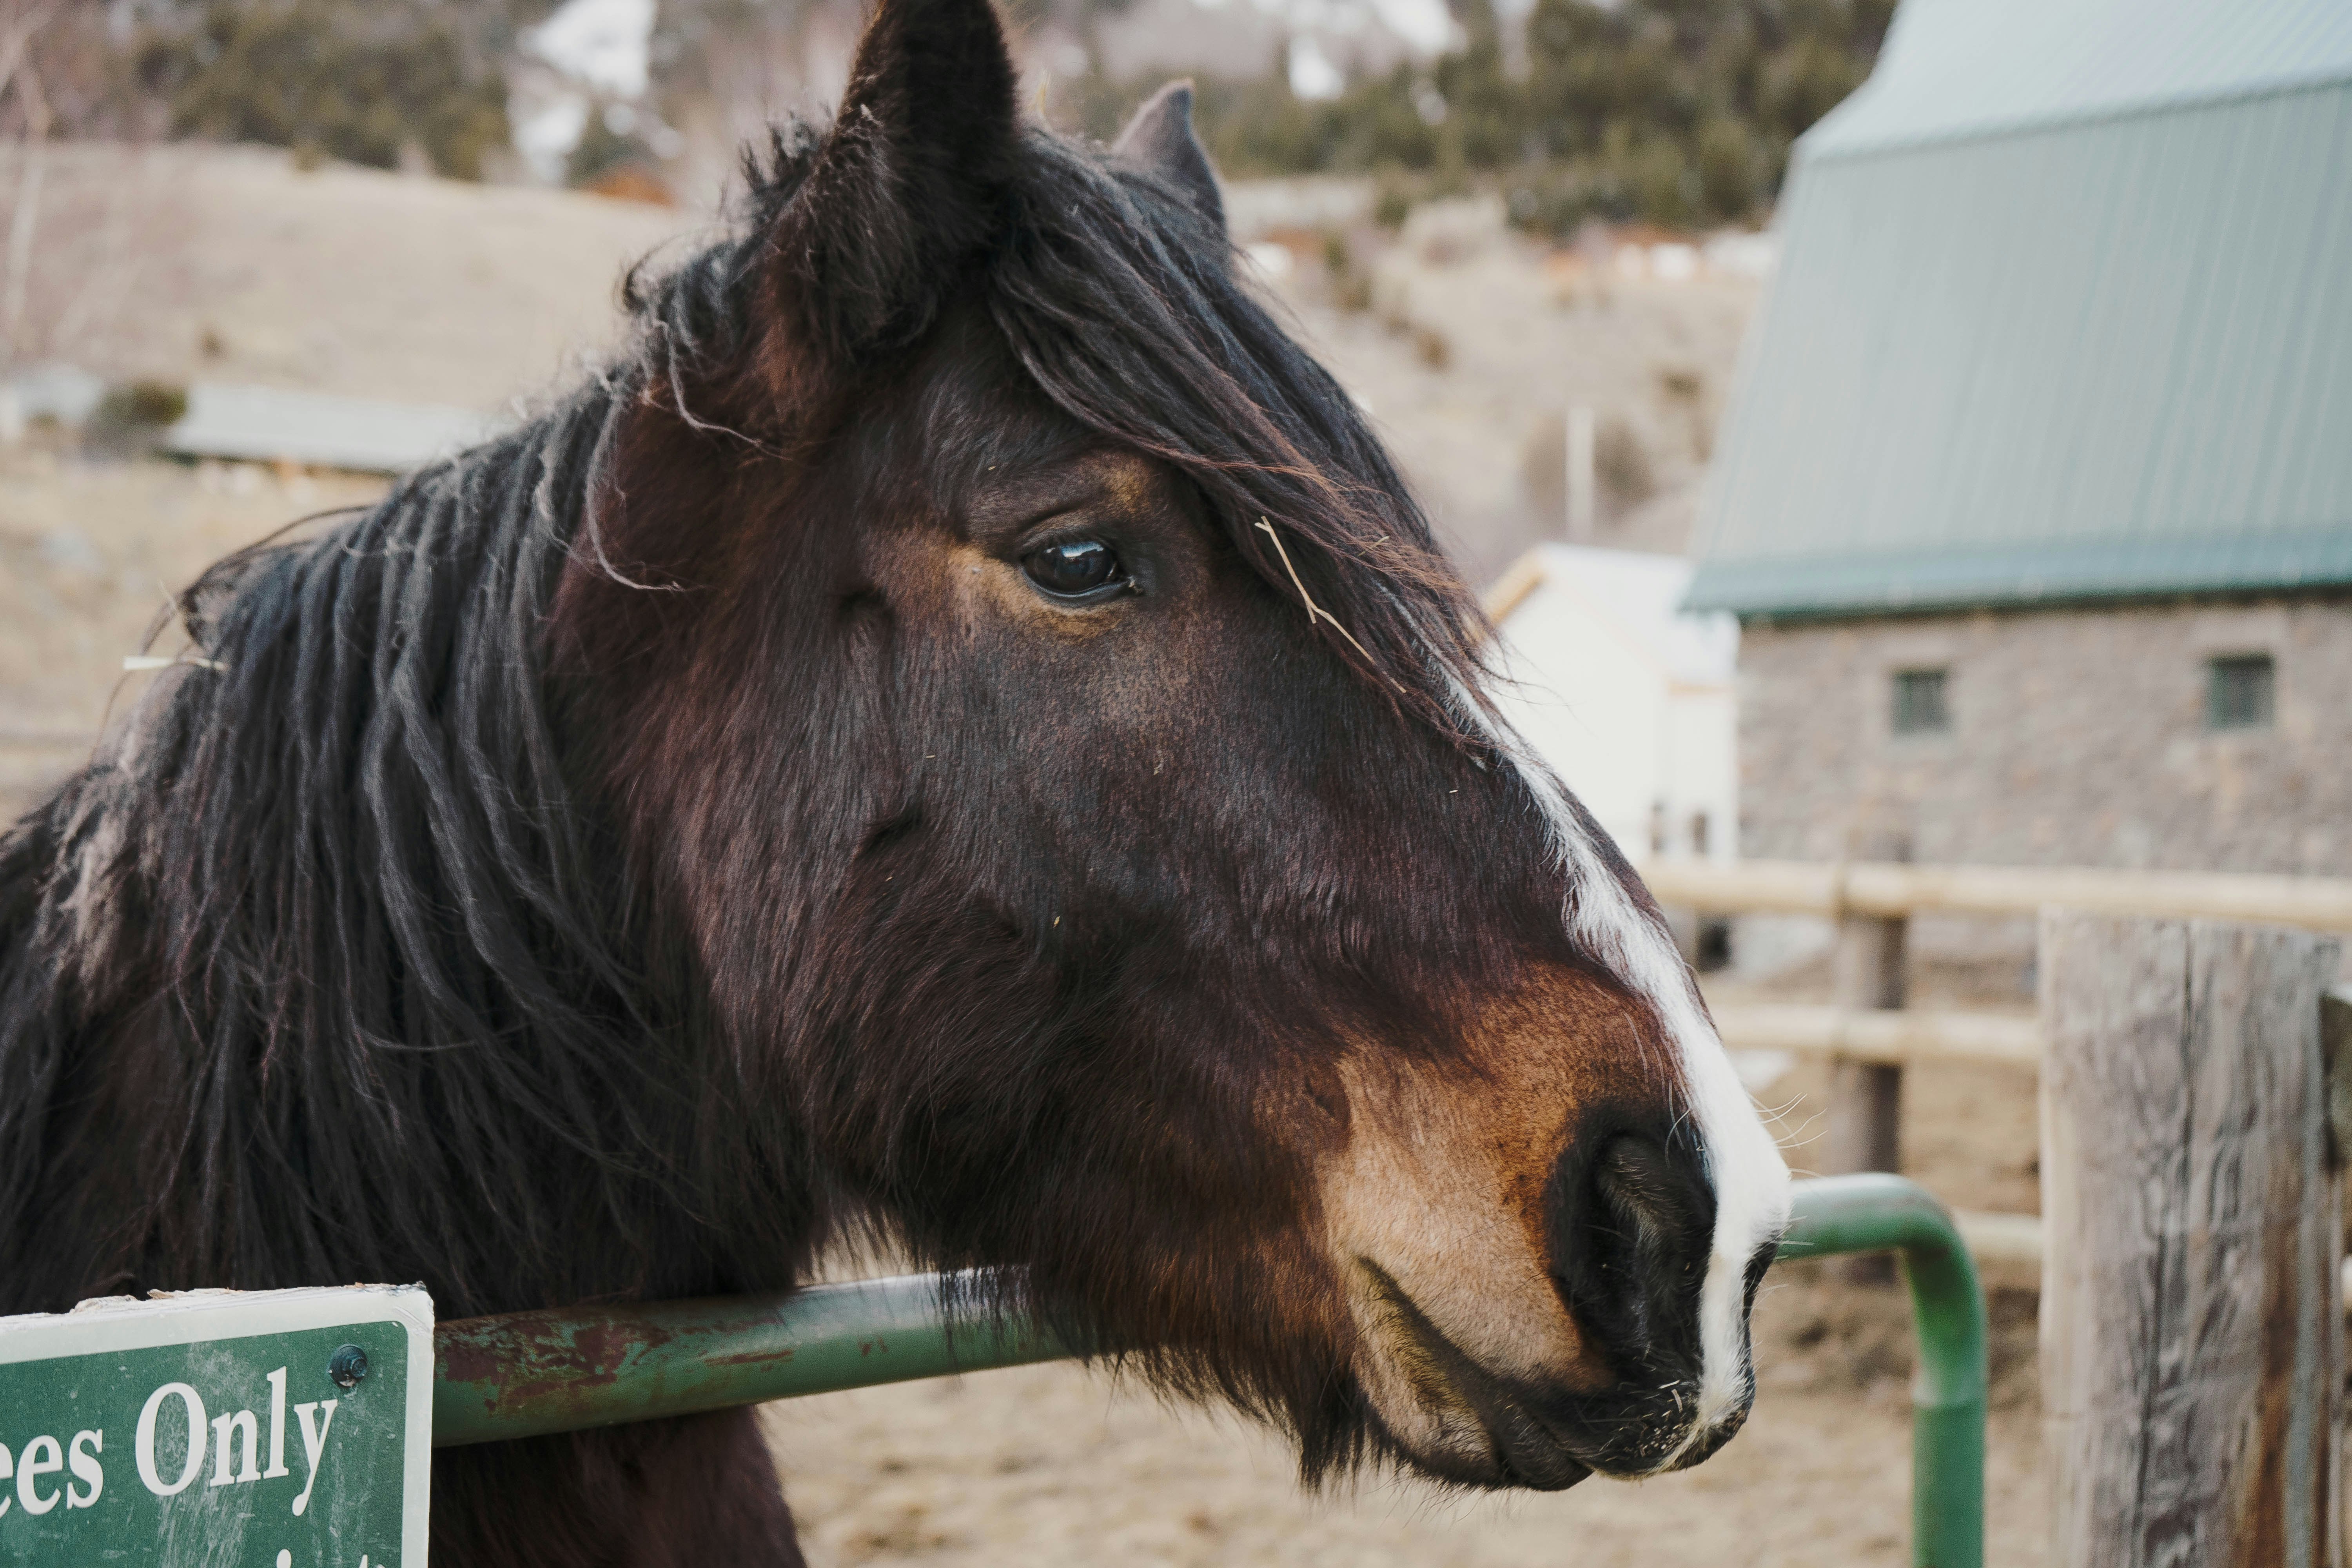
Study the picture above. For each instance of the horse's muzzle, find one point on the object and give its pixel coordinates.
(1538, 1295)
(1541, 1434)
(1630, 1219)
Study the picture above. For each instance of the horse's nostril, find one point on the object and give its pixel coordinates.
(1633, 1220)
(1638, 1184)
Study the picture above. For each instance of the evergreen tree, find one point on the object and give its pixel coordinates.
(357, 79)
(1680, 112)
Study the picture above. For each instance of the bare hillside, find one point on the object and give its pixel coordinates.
(1466, 342)
(234, 264)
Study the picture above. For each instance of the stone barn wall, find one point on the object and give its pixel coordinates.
(2076, 736)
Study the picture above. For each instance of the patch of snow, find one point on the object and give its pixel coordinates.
(1426, 25)
(602, 44)
(1270, 258)
(1734, 253)
(65, 393)
(1313, 77)
(546, 133)
(268, 423)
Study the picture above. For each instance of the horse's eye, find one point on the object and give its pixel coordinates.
(1074, 567)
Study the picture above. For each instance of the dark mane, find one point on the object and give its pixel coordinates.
(370, 919)
(376, 918)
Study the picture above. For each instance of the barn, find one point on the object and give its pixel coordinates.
(2034, 496)
(1627, 697)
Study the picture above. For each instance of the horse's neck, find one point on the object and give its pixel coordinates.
(55, 1225)
(155, 1127)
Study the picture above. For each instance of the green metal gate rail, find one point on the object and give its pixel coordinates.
(520, 1374)
(524, 1373)
(1883, 1213)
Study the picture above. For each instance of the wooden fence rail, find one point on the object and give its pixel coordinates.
(1887, 889)
(1857, 1033)
(1897, 1037)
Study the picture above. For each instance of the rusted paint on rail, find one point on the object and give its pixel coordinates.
(522, 1373)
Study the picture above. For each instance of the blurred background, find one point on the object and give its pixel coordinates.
(1882, 435)
(259, 249)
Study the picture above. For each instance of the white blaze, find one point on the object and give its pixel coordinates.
(1744, 1162)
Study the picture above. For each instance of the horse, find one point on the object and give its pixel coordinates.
(957, 733)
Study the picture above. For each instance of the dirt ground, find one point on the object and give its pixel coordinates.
(1971, 1130)
(1056, 1465)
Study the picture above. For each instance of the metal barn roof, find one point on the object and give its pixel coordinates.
(1972, 68)
(2064, 311)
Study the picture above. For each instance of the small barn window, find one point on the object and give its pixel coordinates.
(1919, 706)
(2238, 691)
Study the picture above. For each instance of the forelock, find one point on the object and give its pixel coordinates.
(1131, 313)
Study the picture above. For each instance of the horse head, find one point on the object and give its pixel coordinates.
(1034, 713)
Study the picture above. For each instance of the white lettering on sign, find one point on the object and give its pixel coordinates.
(81, 1457)
(142, 1446)
(224, 1428)
(314, 1444)
(42, 1457)
(236, 1442)
(277, 1381)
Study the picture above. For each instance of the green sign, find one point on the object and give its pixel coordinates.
(219, 1429)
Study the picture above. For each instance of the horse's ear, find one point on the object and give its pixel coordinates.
(909, 184)
(1161, 138)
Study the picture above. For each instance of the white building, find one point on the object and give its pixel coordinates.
(1628, 699)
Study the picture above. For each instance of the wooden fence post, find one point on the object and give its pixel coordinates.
(1863, 1129)
(2192, 1336)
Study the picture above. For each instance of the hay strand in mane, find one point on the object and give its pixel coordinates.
(1308, 599)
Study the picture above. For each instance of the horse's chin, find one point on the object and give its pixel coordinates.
(1460, 1421)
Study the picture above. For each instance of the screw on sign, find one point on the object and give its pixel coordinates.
(278, 1427)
